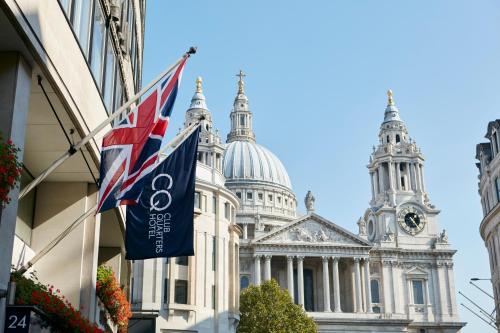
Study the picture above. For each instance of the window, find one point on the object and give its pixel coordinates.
(213, 296)
(260, 196)
(242, 120)
(270, 196)
(181, 287)
(227, 211)
(214, 250)
(204, 202)
(497, 184)
(249, 195)
(214, 204)
(286, 202)
(375, 291)
(118, 95)
(165, 291)
(398, 139)
(279, 200)
(244, 282)
(182, 261)
(238, 194)
(418, 292)
(108, 76)
(197, 201)
(98, 41)
(388, 139)
(403, 186)
(81, 23)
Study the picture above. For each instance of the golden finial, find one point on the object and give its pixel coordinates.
(241, 84)
(390, 100)
(199, 80)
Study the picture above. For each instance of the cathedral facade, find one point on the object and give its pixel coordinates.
(394, 275)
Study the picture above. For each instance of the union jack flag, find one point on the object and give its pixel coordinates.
(130, 149)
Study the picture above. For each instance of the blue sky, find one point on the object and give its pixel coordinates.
(317, 76)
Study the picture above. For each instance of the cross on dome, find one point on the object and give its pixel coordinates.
(199, 88)
(241, 83)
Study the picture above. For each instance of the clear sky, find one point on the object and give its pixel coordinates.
(317, 76)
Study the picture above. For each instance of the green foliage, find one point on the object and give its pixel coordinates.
(268, 309)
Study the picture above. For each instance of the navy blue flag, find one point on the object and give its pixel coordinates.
(161, 223)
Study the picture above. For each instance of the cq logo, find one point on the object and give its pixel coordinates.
(161, 199)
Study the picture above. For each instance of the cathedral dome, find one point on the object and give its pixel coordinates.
(246, 160)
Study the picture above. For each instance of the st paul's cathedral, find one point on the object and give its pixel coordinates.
(394, 275)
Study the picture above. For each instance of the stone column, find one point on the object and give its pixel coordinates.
(289, 271)
(391, 175)
(422, 176)
(442, 287)
(381, 185)
(256, 270)
(15, 89)
(373, 185)
(451, 287)
(375, 182)
(398, 176)
(326, 285)
(300, 279)
(245, 230)
(368, 295)
(336, 285)
(357, 280)
(267, 268)
(417, 177)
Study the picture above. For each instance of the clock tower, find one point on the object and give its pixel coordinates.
(400, 213)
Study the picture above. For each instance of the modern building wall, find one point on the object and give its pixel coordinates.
(488, 155)
(80, 60)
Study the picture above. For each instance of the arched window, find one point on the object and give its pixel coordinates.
(388, 139)
(244, 282)
(398, 139)
(375, 291)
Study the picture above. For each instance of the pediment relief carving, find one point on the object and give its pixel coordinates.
(311, 231)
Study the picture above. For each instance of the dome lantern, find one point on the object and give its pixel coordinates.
(241, 116)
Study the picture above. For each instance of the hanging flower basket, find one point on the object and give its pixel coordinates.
(10, 169)
(61, 315)
(113, 297)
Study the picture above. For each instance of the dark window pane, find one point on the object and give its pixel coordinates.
(108, 76)
(214, 252)
(418, 292)
(244, 282)
(214, 204)
(197, 201)
(98, 40)
(183, 261)
(213, 297)
(81, 22)
(375, 291)
(181, 291)
(166, 288)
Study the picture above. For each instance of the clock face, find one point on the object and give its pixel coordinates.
(411, 220)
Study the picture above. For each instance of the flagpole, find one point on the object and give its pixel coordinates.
(74, 148)
(56, 240)
(177, 140)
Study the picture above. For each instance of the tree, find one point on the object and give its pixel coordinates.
(268, 309)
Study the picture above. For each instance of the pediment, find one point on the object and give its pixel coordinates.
(312, 229)
(416, 271)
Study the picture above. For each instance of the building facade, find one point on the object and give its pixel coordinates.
(64, 67)
(488, 155)
(198, 293)
(394, 275)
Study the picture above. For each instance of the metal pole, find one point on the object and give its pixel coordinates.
(105, 123)
(483, 311)
(177, 140)
(481, 290)
(473, 312)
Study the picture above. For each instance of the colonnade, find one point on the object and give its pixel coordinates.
(388, 175)
(362, 303)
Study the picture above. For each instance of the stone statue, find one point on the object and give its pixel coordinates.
(362, 227)
(443, 237)
(309, 201)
